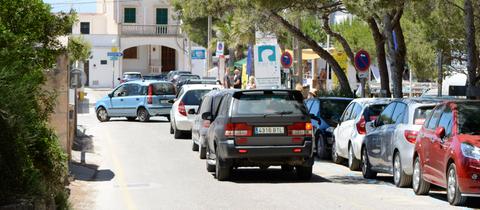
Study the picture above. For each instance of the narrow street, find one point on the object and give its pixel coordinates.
(141, 166)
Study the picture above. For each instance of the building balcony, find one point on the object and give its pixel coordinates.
(149, 30)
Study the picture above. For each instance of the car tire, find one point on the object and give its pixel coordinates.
(335, 158)
(287, 168)
(210, 167)
(222, 170)
(171, 129)
(304, 172)
(177, 134)
(321, 148)
(454, 195)
(143, 115)
(168, 118)
(102, 114)
(202, 152)
(194, 146)
(399, 177)
(353, 162)
(419, 185)
(131, 118)
(367, 171)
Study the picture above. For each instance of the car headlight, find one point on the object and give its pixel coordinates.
(470, 151)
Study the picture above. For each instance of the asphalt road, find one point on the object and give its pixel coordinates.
(140, 166)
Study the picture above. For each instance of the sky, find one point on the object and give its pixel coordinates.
(80, 6)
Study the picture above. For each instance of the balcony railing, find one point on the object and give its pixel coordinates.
(150, 30)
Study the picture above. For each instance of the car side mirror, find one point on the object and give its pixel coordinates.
(440, 132)
(171, 101)
(110, 95)
(191, 111)
(207, 116)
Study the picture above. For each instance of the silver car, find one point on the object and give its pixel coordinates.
(390, 141)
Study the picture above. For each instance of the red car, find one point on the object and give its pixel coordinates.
(447, 151)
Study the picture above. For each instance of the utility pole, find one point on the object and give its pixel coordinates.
(209, 53)
(298, 55)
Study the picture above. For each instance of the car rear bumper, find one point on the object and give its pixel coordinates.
(228, 150)
(183, 124)
(159, 110)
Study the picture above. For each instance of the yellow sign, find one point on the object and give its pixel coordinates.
(114, 49)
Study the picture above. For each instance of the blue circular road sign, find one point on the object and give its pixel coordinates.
(362, 61)
(286, 60)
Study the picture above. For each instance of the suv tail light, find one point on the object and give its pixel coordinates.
(361, 126)
(181, 108)
(300, 129)
(150, 93)
(238, 129)
(411, 136)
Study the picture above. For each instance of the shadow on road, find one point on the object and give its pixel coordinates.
(84, 106)
(380, 180)
(441, 195)
(89, 172)
(269, 176)
(155, 120)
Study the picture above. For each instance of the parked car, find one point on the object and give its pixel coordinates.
(155, 76)
(181, 79)
(328, 110)
(210, 104)
(137, 99)
(130, 76)
(260, 128)
(447, 151)
(350, 132)
(185, 106)
(390, 141)
(172, 74)
(200, 81)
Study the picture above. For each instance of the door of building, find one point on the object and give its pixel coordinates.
(168, 59)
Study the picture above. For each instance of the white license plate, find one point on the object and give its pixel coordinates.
(164, 101)
(269, 130)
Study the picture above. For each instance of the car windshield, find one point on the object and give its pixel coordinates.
(468, 120)
(374, 111)
(163, 89)
(154, 77)
(194, 97)
(331, 109)
(188, 77)
(265, 104)
(421, 114)
(132, 76)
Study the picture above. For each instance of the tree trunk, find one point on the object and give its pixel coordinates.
(231, 61)
(381, 57)
(342, 78)
(346, 47)
(396, 53)
(471, 46)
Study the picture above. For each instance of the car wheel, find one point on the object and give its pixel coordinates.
(321, 148)
(143, 115)
(367, 171)
(222, 170)
(453, 192)
(419, 185)
(171, 129)
(304, 172)
(177, 134)
(168, 118)
(353, 162)
(210, 167)
(287, 168)
(202, 152)
(131, 118)
(399, 177)
(194, 146)
(335, 158)
(102, 115)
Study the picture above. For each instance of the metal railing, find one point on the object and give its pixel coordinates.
(150, 30)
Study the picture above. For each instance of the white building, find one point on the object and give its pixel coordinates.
(145, 31)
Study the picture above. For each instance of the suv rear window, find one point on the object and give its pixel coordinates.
(163, 89)
(260, 104)
(331, 109)
(468, 120)
(194, 97)
(374, 111)
(421, 114)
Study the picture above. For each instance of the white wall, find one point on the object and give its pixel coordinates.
(102, 75)
(140, 64)
(99, 24)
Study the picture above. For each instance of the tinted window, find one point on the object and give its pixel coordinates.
(163, 89)
(216, 104)
(331, 110)
(260, 104)
(420, 114)
(132, 76)
(205, 105)
(446, 121)
(373, 111)
(348, 112)
(468, 120)
(356, 111)
(432, 123)
(312, 106)
(194, 97)
(120, 91)
(386, 115)
(133, 90)
(398, 114)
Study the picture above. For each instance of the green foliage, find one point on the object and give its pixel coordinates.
(358, 35)
(32, 164)
(78, 48)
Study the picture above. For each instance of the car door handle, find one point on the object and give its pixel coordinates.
(138, 99)
(121, 99)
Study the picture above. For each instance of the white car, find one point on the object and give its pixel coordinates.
(185, 108)
(351, 130)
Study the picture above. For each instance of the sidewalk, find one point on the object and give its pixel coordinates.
(91, 97)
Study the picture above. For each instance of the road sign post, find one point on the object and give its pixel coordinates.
(362, 64)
